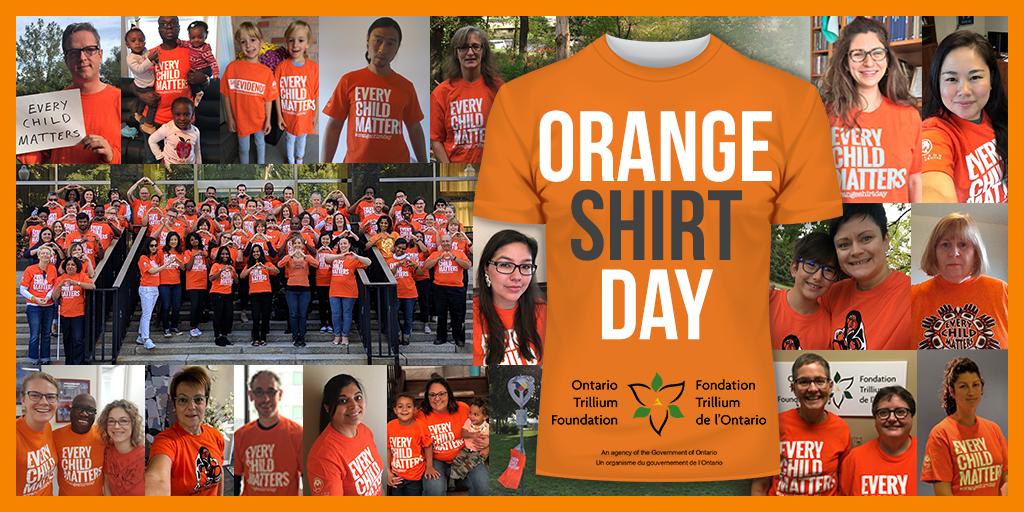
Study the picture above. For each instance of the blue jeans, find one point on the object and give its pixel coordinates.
(73, 331)
(170, 305)
(341, 314)
(261, 148)
(295, 147)
(405, 309)
(40, 321)
(147, 296)
(478, 481)
(298, 306)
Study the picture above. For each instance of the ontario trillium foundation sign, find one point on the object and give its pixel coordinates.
(854, 384)
(49, 120)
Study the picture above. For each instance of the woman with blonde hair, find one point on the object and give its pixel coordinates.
(124, 460)
(959, 307)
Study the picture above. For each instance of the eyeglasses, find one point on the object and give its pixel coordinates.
(900, 413)
(811, 267)
(260, 392)
(440, 394)
(476, 47)
(805, 382)
(507, 267)
(184, 401)
(76, 53)
(87, 410)
(877, 55)
(36, 396)
(123, 422)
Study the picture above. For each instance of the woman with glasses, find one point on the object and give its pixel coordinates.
(886, 465)
(449, 290)
(798, 321)
(507, 304)
(344, 460)
(966, 455)
(459, 105)
(37, 287)
(124, 459)
(35, 453)
(876, 130)
(187, 459)
(812, 440)
(959, 292)
(444, 417)
(71, 286)
(151, 264)
(966, 121)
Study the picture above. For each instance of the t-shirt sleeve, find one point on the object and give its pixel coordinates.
(913, 120)
(808, 187)
(426, 438)
(937, 151)
(938, 461)
(437, 125)
(271, 90)
(236, 458)
(163, 445)
(337, 106)
(507, 188)
(846, 475)
(326, 475)
(413, 113)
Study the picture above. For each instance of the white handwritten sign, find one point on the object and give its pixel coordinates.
(50, 120)
(854, 384)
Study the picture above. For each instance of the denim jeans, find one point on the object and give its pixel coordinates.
(295, 147)
(478, 481)
(40, 320)
(147, 296)
(170, 305)
(261, 148)
(405, 308)
(341, 314)
(298, 306)
(72, 329)
(408, 488)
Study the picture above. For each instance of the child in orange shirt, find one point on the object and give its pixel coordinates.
(250, 89)
(798, 320)
(410, 453)
(299, 83)
(477, 443)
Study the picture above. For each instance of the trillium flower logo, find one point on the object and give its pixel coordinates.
(657, 401)
(843, 385)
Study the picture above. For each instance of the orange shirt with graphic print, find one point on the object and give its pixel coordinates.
(171, 80)
(970, 315)
(875, 157)
(249, 86)
(966, 152)
(795, 331)
(72, 297)
(869, 471)
(458, 115)
(809, 455)
(39, 282)
(259, 278)
(507, 316)
(375, 109)
(407, 443)
(198, 277)
(875, 319)
(269, 460)
(79, 462)
(342, 466)
(973, 459)
(403, 275)
(343, 277)
(145, 263)
(197, 461)
(298, 88)
(222, 281)
(445, 430)
(615, 141)
(447, 272)
(35, 460)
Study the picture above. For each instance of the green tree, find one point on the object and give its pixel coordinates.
(899, 239)
(39, 61)
(110, 71)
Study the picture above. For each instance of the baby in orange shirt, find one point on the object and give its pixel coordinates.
(477, 443)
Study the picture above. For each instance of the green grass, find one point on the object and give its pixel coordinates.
(549, 486)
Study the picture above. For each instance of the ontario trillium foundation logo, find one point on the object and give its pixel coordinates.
(657, 402)
(958, 328)
(842, 391)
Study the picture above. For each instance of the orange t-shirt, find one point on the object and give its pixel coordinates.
(323, 269)
(72, 297)
(795, 331)
(269, 460)
(869, 471)
(507, 316)
(967, 153)
(171, 274)
(458, 113)
(79, 462)
(577, 146)
(339, 466)
(146, 263)
(403, 276)
(171, 80)
(140, 211)
(299, 87)
(197, 461)
(407, 443)
(222, 284)
(973, 459)
(259, 279)
(249, 86)
(125, 474)
(447, 272)
(38, 282)
(445, 429)
(343, 278)
(102, 115)
(809, 455)
(876, 319)
(35, 463)
(198, 278)
(103, 233)
(875, 157)
(297, 270)
(375, 108)
(969, 315)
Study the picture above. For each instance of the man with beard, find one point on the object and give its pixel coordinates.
(268, 451)
(80, 451)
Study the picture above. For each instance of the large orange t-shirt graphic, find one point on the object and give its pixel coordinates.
(875, 157)
(79, 462)
(374, 109)
(269, 460)
(171, 80)
(657, 186)
(298, 88)
(972, 458)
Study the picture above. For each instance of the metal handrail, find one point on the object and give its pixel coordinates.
(385, 295)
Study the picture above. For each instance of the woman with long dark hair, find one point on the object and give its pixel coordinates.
(324, 247)
(868, 99)
(71, 286)
(173, 255)
(197, 283)
(258, 272)
(472, 81)
(966, 118)
(508, 304)
(222, 278)
(343, 439)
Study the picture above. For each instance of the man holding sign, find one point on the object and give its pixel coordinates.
(100, 107)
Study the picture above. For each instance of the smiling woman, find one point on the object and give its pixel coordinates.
(35, 461)
(344, 460)
(124, 460)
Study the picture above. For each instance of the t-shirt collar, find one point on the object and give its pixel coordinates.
(658, 74)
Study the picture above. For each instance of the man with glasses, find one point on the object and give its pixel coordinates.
(101, 103)
(80, 451)
(35, 459)
(797, 320)
(268, 451)
(449, 291)
(886, 465)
